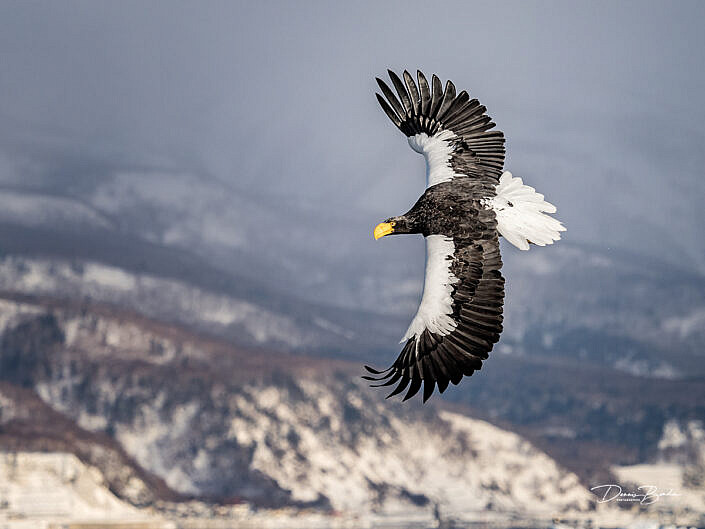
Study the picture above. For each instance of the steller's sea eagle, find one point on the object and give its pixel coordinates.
(468, 203)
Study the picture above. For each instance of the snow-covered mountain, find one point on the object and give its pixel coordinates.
(591, 304)
(158, 415)
(678, 466)
(167, 299)
(54, 485)
(235, 311)
(215, 421)
(575, 315)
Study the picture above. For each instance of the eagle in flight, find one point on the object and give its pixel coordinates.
(468, 203)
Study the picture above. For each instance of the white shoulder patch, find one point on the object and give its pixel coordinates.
(522, 214)
(437, 150)
(436, 303)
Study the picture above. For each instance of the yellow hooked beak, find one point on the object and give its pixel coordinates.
(385, 228)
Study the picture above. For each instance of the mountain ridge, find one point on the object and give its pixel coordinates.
(183, 408)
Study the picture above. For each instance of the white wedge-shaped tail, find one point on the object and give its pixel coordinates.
(522, 214)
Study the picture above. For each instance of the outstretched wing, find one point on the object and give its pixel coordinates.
(449, 338)
(451, 130)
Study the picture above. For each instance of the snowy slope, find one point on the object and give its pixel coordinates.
(626, 311)
(167, 299)
(594, 306)
(679, 467)
(289, 430)
(55, 486)
(465, 465)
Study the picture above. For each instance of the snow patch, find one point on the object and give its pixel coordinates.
(150, 295)
(41, 486)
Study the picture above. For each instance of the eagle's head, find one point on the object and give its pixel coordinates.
(409, 222)
(391, 225)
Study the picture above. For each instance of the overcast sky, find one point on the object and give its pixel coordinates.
(601, 103)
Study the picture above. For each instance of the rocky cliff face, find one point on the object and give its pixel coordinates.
(27, 424)
(219, 422)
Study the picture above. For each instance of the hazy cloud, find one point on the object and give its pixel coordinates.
(601, 104)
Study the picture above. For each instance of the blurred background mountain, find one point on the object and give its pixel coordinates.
(189, 283)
